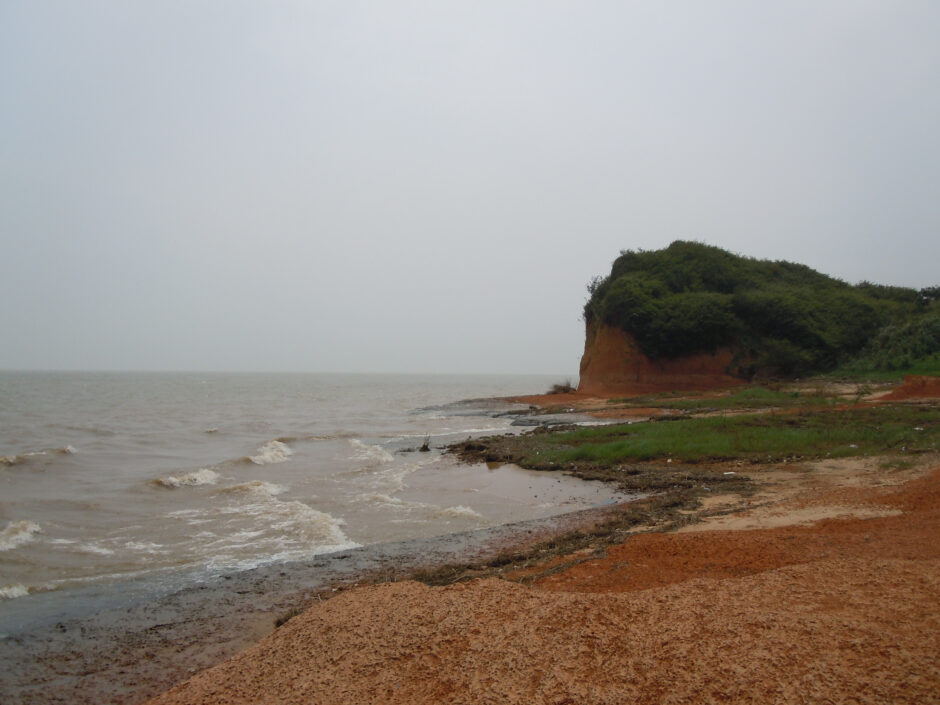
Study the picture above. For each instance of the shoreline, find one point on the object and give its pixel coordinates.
(128, 649)
(839, 609)
(156, 645)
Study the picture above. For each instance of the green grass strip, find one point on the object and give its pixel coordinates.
(765, 437)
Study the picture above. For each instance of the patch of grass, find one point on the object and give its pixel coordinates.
(896, 465)
(768, 437)
(927, 367)
(743, 399)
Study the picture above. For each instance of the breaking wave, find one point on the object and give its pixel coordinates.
(389, 501)
(27, 456)
(271, 529)
(257, 488)
(367, 452)
(8, 592)
(17, 533)
(270, 453)
(459, 512)
(203, 476)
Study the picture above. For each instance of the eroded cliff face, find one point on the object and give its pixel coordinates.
(613, 364)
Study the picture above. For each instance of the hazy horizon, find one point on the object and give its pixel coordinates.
(417, 187)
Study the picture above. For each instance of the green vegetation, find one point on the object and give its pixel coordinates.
(561, 388)
(911, 347)
(765, 437)
(750, 398)
(780, 318)
(768, 437)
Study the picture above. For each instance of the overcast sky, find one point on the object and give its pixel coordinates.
(429, 186)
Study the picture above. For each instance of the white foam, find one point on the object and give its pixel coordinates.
(277, 530)
(144, 546)
(17, 533)
(25, 457)
(257, 488)
(367, 452)
(389, 501)
(314, 528)
(459, 512)
(202, 476)
(8, 592)
(271, 453)
(95, 548)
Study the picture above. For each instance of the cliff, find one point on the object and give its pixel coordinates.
(613, 364)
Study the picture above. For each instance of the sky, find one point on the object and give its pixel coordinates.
(399, 186)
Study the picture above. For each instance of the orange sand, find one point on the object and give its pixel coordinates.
(915, 387)
(840, 611)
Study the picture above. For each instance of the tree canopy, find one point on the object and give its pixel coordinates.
(779, 317)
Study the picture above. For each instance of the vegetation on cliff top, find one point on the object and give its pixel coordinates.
(780, 318)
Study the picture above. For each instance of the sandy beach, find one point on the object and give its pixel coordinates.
(833, 610)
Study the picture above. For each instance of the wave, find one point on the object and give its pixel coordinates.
(314, 527)
(270, 453)
(459, 512)
(144, 546)
(390, 501)
(28, 455)
(276, 529)
(367, 452)
(258, 488)
(8, 592)
(94, 549)
(17, 533)
(202, 476)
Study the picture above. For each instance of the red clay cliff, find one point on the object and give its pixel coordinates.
(613, 364)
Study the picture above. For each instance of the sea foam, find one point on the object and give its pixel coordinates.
(270, 453)
(272, 528)
(257, 488)
(17, 533)
(8, 592)
(29, 455)
(459, 512)
(367, 452)
(203, 476)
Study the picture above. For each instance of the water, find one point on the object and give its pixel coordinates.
(105, 477)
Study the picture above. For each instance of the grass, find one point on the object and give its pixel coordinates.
(750, 398)
(765, 437)
(759, 436)
(928, 367)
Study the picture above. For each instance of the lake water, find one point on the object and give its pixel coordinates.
(105, 477)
